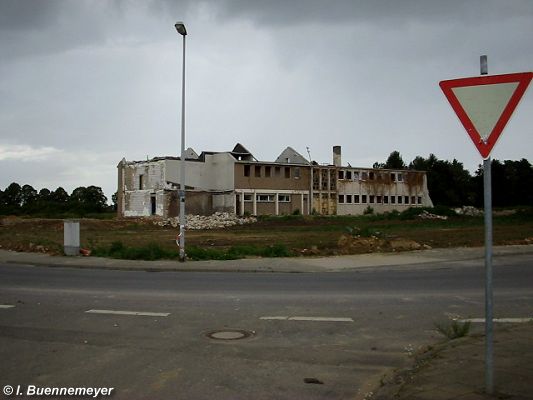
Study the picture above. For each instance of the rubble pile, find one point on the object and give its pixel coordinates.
(468, 211)
(427, 215)
(215, 221)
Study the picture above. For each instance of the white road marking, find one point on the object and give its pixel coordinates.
(501, 320)
(6, 306)
(315, 319)
(117, 312)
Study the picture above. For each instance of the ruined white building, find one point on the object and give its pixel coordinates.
(151, 187)
(236, 182)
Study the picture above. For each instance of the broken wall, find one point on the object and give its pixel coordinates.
(215, 173)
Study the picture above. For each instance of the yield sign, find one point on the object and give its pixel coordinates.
(484, 104)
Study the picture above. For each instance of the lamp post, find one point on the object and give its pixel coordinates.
(180, 27)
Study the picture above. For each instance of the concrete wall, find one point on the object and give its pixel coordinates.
(138, 203)
(215, 173)
(224, 202)
(142, 183)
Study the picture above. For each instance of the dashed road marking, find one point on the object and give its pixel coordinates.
(315, 319)
(137, 313)
(500, 320)
(3, 306)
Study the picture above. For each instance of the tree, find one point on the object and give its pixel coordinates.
(44, 194)
(12, 198)
(114, 200)
(395, 161)
(449, 184)
(59, 196)
(511, 183)
(28, 196)
(88, 199)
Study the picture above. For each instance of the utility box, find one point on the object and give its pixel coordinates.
(71, 235)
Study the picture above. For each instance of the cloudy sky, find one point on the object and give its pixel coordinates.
(84, 83)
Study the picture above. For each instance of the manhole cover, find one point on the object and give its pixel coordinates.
(229, 334)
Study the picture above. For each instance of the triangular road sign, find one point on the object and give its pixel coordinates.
(484, 104)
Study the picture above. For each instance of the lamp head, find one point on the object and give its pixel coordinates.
(180, 27)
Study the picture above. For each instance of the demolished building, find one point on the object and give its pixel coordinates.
(235, 181)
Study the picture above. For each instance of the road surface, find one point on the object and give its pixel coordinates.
(312, 336)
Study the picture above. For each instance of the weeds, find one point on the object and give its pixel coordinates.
(363, 232)
(239, 251)
(149, 252)
(368, 211)
(454, 329)
(154, 251)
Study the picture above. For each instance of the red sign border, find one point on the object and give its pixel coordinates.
(523, 79)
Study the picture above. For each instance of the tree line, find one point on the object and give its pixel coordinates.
(25, 200)
(450, 184)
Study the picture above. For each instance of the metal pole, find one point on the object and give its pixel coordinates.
(182, 162)
(487, 198)
(489, 363)
(310, 202)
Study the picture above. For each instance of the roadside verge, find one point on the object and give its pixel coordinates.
(280, 265)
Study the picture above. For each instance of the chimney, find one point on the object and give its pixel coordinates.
(337, 156)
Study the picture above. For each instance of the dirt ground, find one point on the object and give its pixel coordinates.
(302, 235)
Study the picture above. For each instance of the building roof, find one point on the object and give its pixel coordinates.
(291, 156)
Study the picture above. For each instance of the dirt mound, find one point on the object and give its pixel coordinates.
(360, 245)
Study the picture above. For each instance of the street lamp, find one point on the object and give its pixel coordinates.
(180, 27)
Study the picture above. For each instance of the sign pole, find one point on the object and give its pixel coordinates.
(487, 197)
(484, 105)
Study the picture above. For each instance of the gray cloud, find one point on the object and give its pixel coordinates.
(33, 27)
(275, 13)
(99, 80)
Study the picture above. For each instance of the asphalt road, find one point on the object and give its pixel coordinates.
(343, 330)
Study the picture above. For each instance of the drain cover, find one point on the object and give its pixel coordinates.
(229, 334)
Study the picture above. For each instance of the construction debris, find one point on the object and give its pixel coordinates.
(427, 215)
(215, 221)
(469, 211)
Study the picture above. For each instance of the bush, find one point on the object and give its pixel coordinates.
(155, 252)
(363, 232)
(277, 250)
(442, 210)
(453, 330)
(368, 211)
(411, 213)
(150, 252)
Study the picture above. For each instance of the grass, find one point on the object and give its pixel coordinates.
(453, 329)
(154, 251)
